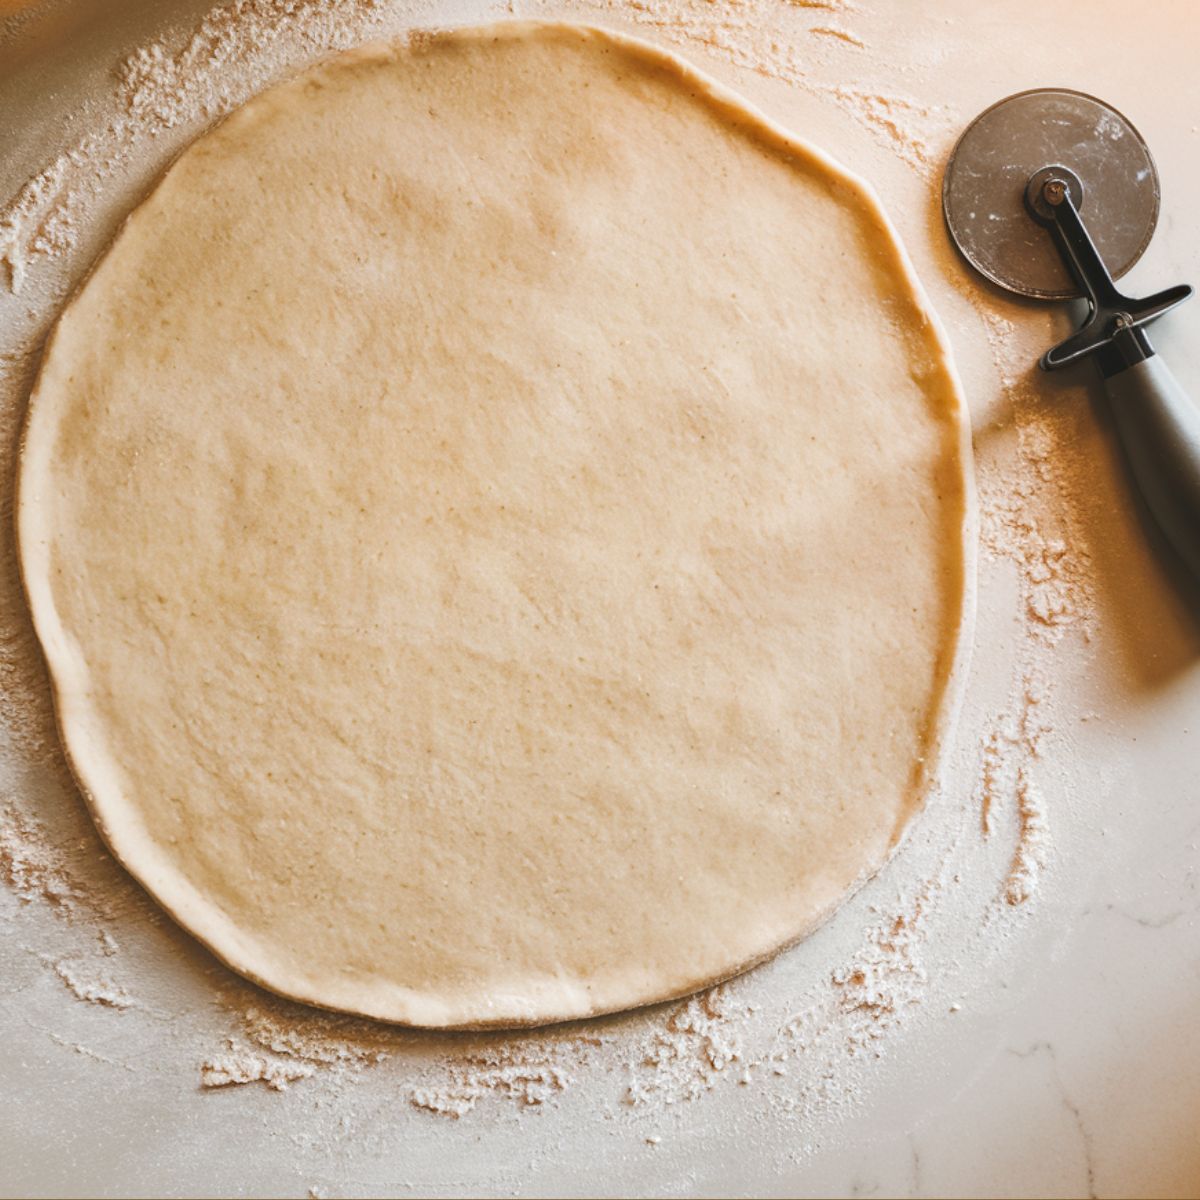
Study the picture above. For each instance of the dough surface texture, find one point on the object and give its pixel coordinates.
(498, 519)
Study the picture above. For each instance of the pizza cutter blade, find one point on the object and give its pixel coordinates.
(1053, 194)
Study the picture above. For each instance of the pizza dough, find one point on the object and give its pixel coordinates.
(497, 519)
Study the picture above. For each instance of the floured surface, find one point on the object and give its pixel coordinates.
(934, 1038)
(464, 546)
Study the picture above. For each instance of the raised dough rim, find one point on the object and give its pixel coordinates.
(927, 770)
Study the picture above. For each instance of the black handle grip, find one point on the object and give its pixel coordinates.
(1159, 426)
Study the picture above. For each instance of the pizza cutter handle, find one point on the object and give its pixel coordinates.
(1159, 427)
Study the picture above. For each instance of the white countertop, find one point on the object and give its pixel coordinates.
(1010, 1008)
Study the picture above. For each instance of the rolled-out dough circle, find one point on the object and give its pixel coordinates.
(498, 522)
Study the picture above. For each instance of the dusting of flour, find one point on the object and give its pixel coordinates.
(235, 51)
(772, 42)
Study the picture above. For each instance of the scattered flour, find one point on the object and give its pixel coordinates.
(732, 30)
(695, 1043)
(1010, 748)
(1026, 513)
(758, 37)
(234, 52)
(85, 1051)
(1033, 841)
(238, 1064)
(915, 132)
(92, 989)
(1015, 738)
(842, 35)
(32, 865)
(279, 1043)
(1054, 579)
(817, 1059)
(280, 1040)
(1027, 517)
(527, 1080)
(65, 864)
(885, 978)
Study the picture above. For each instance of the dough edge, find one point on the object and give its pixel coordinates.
(548, 1002)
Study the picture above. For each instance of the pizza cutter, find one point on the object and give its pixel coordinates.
(1053, 194)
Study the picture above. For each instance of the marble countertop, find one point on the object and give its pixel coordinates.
(1010, 1008)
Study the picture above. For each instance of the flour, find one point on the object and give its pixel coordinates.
(31, 864)
(759, 38)
(86, 1051)
(1013, 741)
(733, 31)
(37, 221)
(884, 979)
(92, 989)
(279, 1043)
(1055, 580)
(65, 866)
(1033, 843)
(238, 1064)
(913, 131)
(696, 1042)
(993, 763)
(1026, 514)
(529, 1082)
(842, 35)
(325, 1039)
(1011, 747)
(232, 54)
(1028, 518)
(818, 1059)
